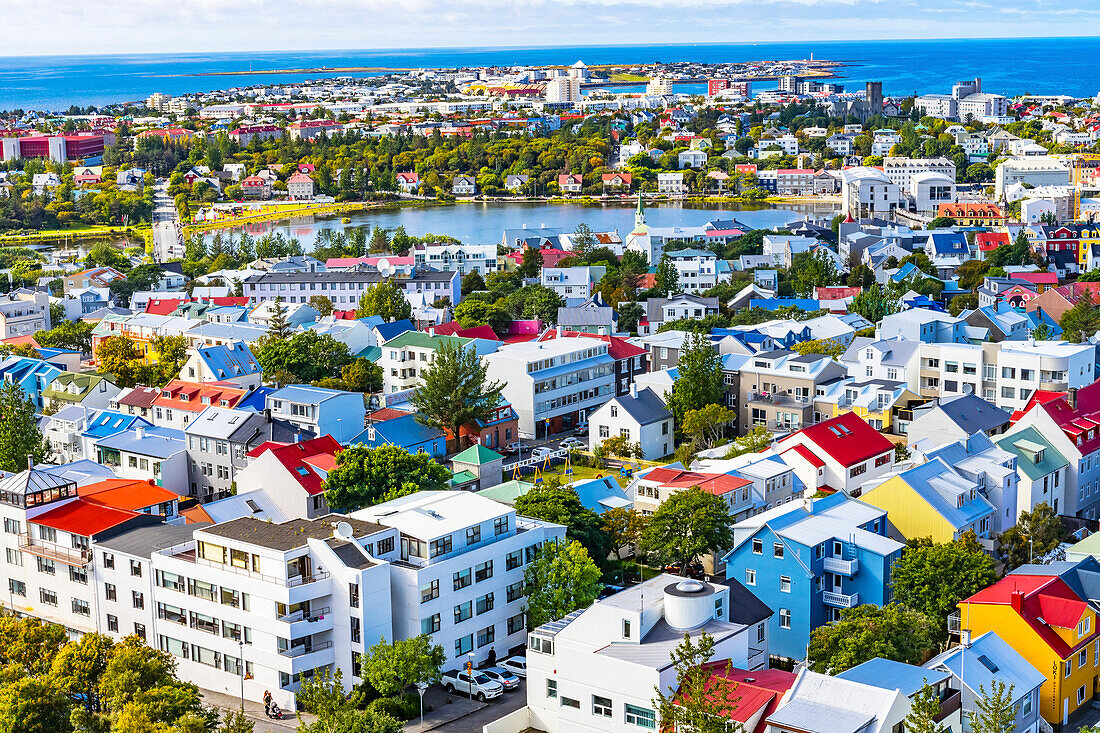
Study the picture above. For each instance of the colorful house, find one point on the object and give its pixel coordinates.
(1052, 626)
(973, 214)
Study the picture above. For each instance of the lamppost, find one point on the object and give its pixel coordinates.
(421, 687)
(240, 669)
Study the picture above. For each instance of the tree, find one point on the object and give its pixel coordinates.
(306, 356)
(621, 447)
(171, 354)
(1082, 320)
(865, 632)
(74, 335)
(1042, 332)
(20, 437)
(362, 375)
(699, 380)
(472, 282)
(1017, 253)
(688, 524)
(531, 264)
(28, 645)
(322, 304)
(552, 502)
(33, 705)
(583, 241)
(922, 714)
(455, 390)
(874, 304)
(971, 274)
(825, 347)
(278, 329)
(324, 696)
(121, 357)
(861, 276)
(809, 270)
(996, 710)
(391, 668)
(942, 222)
(235, 721)
(366, 476)
(667, 279)
(933, 578)
(630, 315)
(1035, 534)
(79, 666)
(702, 699)
(708, 424)
(753, 442)
(623, 526)
(134, 670)
(561, 579)
(473, 313)
(385, 299)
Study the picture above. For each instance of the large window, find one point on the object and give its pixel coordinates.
(484, 604)
(429, 591)
(464, 645)
(601, 706)
(642, 717)
(463, 611)
(486, 636)
(429, 625)
(462, 579)
(483, 571)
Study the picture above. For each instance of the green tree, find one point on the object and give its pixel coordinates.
(385, 299)
(362, 375)
(809, 270)
(29, 645)
(278, 329)
(324, 696)
(996, 710)
(235, 721)
(20, 437)
(922, 715)
(666, 281)
(621, 447)
(134, 670)
(74, 335)
(702, 699)
(708, 424)
(865, 632)
(531, 264)
(473, 313)
(552, 502)
(1042, 332)
(874, 303)
(689, 524)
(366, 476)
(171, 354)
(561, 579)
(699, 380)
(753, 442)
(630, 315)
(933, 578)
(583, 241)
(825, 347)
(392, 668)
(455, 391)
(1035, 534)
(34, 705)
(1082, 320)
(307, 356)
(322, 304)
(79, 666)
(120, 357)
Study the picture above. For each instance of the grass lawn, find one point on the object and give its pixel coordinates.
(629, 77)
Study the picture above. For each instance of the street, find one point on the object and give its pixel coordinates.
(457, 717)
(165, 225)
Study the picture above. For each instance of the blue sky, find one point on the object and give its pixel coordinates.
(125, 26)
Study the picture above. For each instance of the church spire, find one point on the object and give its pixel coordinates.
(639, 213)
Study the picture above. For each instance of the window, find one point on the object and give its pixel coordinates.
(760, 632)
(882, 460)
(12, 526)
(135, 568)
(46, 566)
(1067, 668)
(605, 432)
(513, 560)
(430, 625)
(500, 525)
(48, 597)
(601, 706)
(473, 535)
(483, 604)
(441, 546)
(463, 611)
(626, 628)
(139, 600)
(483, 571)
(353, 595)
(1080, 694)
(750, 576)
(465, 645)
(81, 608)
(109, 592)
(139, 631)
(486, 636)
(112, 623)
(784, 618)
(1083, 658)
(758, 547)
(429, 592)
(551, 688)
(15, 557)
(515, 591)
(462, 579)
(784, 584)
(17, 587)
(641, 717)
(569, 702)
(1084, 627)
(385, 545)
(78, 575)
(857, 470)
(516, 624)
(1008, 392)
(777, 549)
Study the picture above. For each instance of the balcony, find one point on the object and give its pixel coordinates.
(840, 600)
(781, 399)
(757, 659)
(300, 650)
(949, 703)
(54, 551)
(841, 567)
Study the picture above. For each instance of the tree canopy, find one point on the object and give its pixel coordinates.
(552, 502)
(365, 476)
(866, 632)
(385, 299)
(687, 525)
(699, 380)
(561, 579)
(455, 391)
(20, 436)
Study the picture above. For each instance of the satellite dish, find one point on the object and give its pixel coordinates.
(344, 531)
(385, 268)
(968, 389)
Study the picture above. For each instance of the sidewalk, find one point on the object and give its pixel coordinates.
(255, 711)
(441, 714)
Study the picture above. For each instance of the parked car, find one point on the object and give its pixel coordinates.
(513, 449)
(581, 429)
(516, 665)
(695, 570)
(508, 680)
(481, 687)
(542, 452)
(573, 443)
(609, 590)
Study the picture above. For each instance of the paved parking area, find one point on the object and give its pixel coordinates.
(476, 714)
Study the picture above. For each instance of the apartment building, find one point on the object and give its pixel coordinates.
(698, 270)
(458, 576)
(24, 313)
(901, 170)
(868, 192)
(574, 285)
(179, 402)
(553, 385)
(461, 258)
(405, 357)
(345, 288)
(777, 389)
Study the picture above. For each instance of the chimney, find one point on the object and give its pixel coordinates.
(140, 431)
(1071, 397)
(30, 462)
(558, 331)
(1018, 601)
(633, 389)
(431, 330)
(601, 331)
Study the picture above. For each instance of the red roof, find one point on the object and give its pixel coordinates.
(847, 438)
(617, 349)
(988, 241)
(1077, 422)
(808, 454)
(836, 292)
(712, 483)
(130, 494)
(140, 397)
(197, 396)
(754, 695)
(1044, 601)
(454, 328)
(1036, 278)
(293, 457)
(163, 306)
(82, 517)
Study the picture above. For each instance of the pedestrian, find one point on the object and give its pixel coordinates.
(492, 656)
(267, 702)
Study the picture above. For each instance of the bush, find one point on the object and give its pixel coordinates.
(403, 707)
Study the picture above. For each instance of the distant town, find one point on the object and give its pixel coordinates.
(838, 474)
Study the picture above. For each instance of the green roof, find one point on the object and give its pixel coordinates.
(1088, 546)
(425, 340)
(1024, 444)
(508, 491)
(84, 382)
(477, 455)
(462, 477)
(371, 353)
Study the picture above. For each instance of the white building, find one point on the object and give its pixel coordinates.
(24, 313)
(670, 183)
(563, 90)
(461, 258)
(639, 417)
(868, 192)
(1035, 171)
(573, 284)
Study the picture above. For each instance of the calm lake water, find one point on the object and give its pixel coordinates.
(481, 223)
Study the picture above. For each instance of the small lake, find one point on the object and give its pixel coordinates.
(480, 223)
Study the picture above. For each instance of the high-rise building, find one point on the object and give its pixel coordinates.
(563, 89)
(740, 88)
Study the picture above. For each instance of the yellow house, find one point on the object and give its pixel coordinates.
(864, 400)
(1089, 234)
(932, 500)
(1051, 627)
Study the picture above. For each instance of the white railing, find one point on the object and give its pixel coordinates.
(843, 567)
(841, 600)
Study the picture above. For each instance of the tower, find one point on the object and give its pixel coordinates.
(639, 214)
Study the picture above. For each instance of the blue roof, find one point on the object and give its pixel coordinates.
(387, 331)
(372, 321)
(254, 400)
(156, 442)
(887, 674)
(109, 422)
(226, 361)
(601, 494)
(371, 353)
(948, 243)
(306, 393)
(975, 666)
(771, 304)
(685, 253)
(904, 271)
(405, 432)
(924, 480)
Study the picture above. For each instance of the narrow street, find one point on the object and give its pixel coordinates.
(165, 225)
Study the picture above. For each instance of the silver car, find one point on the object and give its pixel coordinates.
(504, 677)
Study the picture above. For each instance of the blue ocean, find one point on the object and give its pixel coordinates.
(1007, 66)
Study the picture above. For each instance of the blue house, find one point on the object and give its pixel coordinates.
(405, 432)
(601, 494)
(320, 411)
(809, 559)
(32, 375)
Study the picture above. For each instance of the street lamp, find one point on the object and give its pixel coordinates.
(421, 687)
(240, 669)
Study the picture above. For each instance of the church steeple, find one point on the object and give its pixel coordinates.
(639, 213)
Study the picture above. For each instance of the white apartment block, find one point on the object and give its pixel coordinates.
(24, 313)
(573, 284)
(901, 170)
(462, 258)
(1035, 171)
(868, 192)
(883, 142)
(345, 288)
(553, 385)
(699, 270)
(670, 183)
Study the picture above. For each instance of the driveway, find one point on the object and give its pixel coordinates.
(462, 715)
